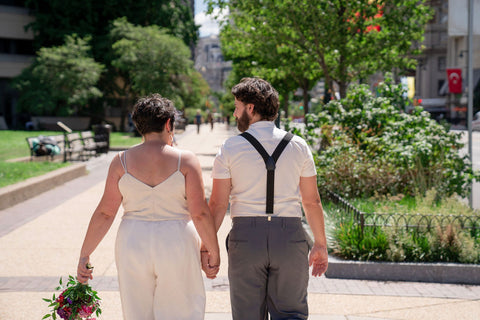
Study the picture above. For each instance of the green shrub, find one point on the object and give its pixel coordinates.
(441, 244)
(351, 242)
(369, 145)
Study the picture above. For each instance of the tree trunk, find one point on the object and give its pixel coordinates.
(306, 84)
(343, 89)
(285, 104)
(123, 112)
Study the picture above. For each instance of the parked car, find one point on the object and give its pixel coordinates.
(476, 122)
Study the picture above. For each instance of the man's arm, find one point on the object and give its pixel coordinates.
(312, 206)
(219, 200)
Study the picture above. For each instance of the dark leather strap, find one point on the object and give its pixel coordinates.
(270, 162)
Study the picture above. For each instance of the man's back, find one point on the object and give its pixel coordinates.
(241, 162)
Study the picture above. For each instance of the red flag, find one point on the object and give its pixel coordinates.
(454, 80)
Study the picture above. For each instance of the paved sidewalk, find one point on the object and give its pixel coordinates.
(40, 240)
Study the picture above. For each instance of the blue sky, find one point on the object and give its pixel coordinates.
(208, 25)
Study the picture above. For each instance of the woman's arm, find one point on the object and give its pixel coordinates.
(200, 212)
(101, 220)
(219, 200)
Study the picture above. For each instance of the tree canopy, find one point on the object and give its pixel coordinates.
(56, 18)
(345, 41)
(148, 60)
(61, 80)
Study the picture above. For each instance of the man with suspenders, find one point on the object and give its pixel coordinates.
(264, 174)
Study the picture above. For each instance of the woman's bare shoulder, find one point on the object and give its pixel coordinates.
(116, 167)
(189, 159)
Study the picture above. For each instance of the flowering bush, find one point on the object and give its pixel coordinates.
(77, 301)
(368, 145)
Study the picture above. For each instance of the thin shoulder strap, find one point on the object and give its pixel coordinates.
(270, 162)
(179, 159)
(123, 160)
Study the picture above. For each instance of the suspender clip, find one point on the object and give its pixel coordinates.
(269, 218)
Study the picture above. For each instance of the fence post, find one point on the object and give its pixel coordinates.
(362, 221)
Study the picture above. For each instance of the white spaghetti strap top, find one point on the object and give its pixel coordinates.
(165, 201)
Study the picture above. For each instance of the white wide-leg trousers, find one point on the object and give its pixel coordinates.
(159, 270)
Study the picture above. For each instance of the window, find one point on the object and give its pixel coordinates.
(442, 63)
(12, 46)
(13, 3)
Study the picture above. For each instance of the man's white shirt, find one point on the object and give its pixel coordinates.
(239, 160)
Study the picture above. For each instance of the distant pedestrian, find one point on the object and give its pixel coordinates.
(210, 120)
(198, 120)
(267, 246)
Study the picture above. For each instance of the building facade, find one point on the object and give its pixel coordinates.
(210, 63)
(16, 53)
(443, 51)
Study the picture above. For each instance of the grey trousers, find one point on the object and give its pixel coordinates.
(268, 268)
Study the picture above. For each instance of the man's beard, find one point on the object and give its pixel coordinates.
(243, 122)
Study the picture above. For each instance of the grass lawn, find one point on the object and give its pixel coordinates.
(13, 145)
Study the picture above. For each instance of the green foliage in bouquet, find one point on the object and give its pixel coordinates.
(77, 301)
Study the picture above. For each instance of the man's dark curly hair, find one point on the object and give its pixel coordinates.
(261, 94)
(152, 112)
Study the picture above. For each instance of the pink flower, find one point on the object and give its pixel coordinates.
(85, 311)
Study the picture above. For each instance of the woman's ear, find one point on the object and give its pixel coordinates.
(168, 125)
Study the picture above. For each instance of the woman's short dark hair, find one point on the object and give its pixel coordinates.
(261, 94)
(150, 113)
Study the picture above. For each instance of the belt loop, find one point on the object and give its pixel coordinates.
(284, 223)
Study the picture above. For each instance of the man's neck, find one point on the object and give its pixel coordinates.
(255, 118)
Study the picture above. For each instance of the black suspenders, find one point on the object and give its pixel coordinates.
(270, 162)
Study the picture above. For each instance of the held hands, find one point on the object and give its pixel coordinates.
(84, 270)
(210, 263)
(319, 259)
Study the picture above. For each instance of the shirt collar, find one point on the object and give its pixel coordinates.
(261, 124)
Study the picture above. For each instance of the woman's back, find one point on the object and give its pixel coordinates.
(153, 186)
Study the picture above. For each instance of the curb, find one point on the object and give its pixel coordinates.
(454, 273)
(19, 192)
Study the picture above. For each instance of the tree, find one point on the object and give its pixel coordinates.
(61, 80)
(261, 54)
(148, 60)
(56, 18)
(348, 40)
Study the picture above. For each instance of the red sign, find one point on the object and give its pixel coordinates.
(454, 80)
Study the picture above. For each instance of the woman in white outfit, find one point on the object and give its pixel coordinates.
(157, 250)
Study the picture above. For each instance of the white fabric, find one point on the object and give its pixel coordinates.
(143, 202)
(157, 252)
(159, 270)
(240, 161)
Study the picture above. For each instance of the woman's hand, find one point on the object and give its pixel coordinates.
(210, 263)
(84, 270)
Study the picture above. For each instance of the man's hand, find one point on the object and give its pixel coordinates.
(210, 264)
(319, 259)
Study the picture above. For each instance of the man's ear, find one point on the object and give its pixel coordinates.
(250, 108)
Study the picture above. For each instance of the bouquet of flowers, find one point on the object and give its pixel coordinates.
(77, 301)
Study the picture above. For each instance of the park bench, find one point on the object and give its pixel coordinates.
(60, 139)
(97, 143)
(73, 146)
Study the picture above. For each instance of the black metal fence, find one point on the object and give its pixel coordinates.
(405, 221)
